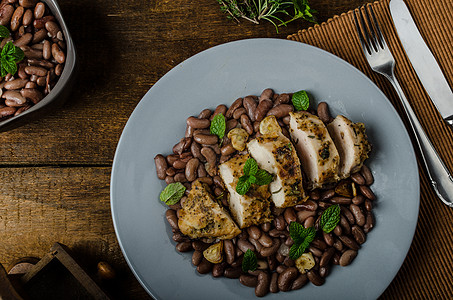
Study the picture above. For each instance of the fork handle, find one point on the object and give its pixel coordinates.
(439, 176)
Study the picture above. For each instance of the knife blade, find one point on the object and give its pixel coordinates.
(423, 61)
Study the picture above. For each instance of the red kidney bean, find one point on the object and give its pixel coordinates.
(179, 164)
(281, 110)
(246, 124)
(357, 200)
(273, 287)
(304, 214)
(248, 280)
(7, 111)
(195, 149)
(319, 243)
(52, 28)
(358, 178)
(39, 11)
(180, 177)
(238, 113)
(323, 112)
(315, 278)
(340, 200)
(337, 230)
(58, 68)
(315, 251)
(191, 169)
(367, 192)
(220, 109)
(199, 246)
(299, 282)
(245, 245)
(282, 99)
(231, 272)
(349, 242)
(358, 234)
(347, 257)
(227, 149)
(161, 166)
(169, 179)
(14, 97)
(265, 240)
(328, 238)
(278, 233)
(266, 94)
(366, 173)
(250, 107)
(266, 227)
(262, 287)
(327, 195)
(254, 232)
(6, 12)
(230, 124)
(309, 222)
(197, 123)
(286, 278)
(172, 219)
(368, 205)
(23, 40)
(204, 267)
(28, 17)
(369, 224)
(265, 252)
(206, 139)
(39, 36)
(358, 214)
(307, 205)
(326, 256)
(279, 223)
(261, 110)
(345, 224)
(348, 215)
(184, 246)
(338, 245)
(197, 257)
(15, 84)
(290, 215)
(236, 104)
(28, 3)
(16, 19)
(218, 269)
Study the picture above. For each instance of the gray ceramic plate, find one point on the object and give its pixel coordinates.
(220, 75)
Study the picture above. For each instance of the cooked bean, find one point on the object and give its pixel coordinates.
(16, 19)
(261, 110)
(197, 256)
(266, 94)
(204, 267)
(299, 282)
(239, 112)
(358, 234)
(281, 110)
(348, 215)
(358, 178)
(307, 205)
(366, 173)
(367, 192)
(368, 205)
(250, 106)
(184, 246)
(179, 164)
(246, 123)
(227, 149)
(220, 109)
(191, 169)
(41, 81)
(349, 242)
(323, 112)
(324, 271)
(279, 223)
(57, 53)
(28, 3)
(273, 287)
(28, 17)
(338, 245)
(282, 99)
(337, 230)
(52, 28)
(245, 245)
(319, 243)
(357, 200)
(197, 123)
(58, 69)
(199, 246)
(231, 272)
(286, 278)
(7, 111)
(278, 233)
(230, 124)
(169, 179)
(265, 252)
(40, 23)
(236, 104)
(21, 109)
(328, 238)
(209, 154)
(206, 139)
(309, 222)
(218, 269)
(347, 257)
(315, 251)
(304, 214)
(358, 214)
(369, 224)
(340, 200)
(315, 278)
(326, 256)
(290, 215)
(15, 84)
(39, 11)
(262, 287)
(39, 36)
(266, 227)
(265, 240)
(248, 280)
(288, 262)
(14, 97)
(172, 219)
(180, 177)
(327, 194)
(161, 166)
(6, 12)
(345, 224)
(23, 40)
(254, 232)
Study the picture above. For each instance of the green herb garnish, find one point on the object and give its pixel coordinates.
(330, 218)
(325, 153)
(4, 32)
(252, 175)
(300, 100)
(273, 11)
(250, 261)
(302, 238)
(218, 126)
(172, 193)
(9, 57)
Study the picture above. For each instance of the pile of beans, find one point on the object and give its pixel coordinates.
(197, 156)
(36, 31)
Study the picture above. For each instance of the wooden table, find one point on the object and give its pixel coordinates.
(56, 171)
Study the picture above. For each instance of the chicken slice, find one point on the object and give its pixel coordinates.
(274, 153)
(253, 208)
(201, 216)
(317, 152)
(351, 142)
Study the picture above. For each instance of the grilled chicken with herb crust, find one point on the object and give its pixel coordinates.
(253, 208)
(274, 153)
(317, 152)
(351, 142)
(201, 216)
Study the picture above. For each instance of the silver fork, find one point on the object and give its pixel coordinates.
(381, 61)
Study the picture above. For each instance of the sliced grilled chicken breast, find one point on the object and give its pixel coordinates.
(274, 153)
(253, 208)
(317, 152)
(201, 216)
(351, 142)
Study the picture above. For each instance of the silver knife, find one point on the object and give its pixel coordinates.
(423, 61)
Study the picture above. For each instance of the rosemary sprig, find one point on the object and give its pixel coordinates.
(273, 11)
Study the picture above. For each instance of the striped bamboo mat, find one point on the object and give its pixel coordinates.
(427, 272)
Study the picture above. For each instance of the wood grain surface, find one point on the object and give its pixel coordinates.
(55, 172)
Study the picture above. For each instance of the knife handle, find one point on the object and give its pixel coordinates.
(439, 176)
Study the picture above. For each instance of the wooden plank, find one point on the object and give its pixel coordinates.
(124, 47)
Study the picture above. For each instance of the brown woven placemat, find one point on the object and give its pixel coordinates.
(427, 272)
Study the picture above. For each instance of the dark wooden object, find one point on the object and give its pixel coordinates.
(56, 171)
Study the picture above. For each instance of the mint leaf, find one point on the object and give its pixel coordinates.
(4, 32)
(172, 193)
(218, 126)
(250, 261)
(302, 238)
(300, 100)
(330, 218)
(243, 185)
(263, 177)
(250, 167)
(9, 57)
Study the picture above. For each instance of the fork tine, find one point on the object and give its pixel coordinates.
(365, 30)
(363, 42)
(378, 29)
(374, 37)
